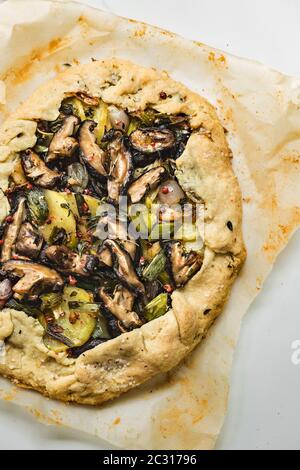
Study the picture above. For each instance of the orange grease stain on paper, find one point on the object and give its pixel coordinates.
(18, 75)
(279, 236)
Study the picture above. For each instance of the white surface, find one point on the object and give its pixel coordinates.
(264, 410)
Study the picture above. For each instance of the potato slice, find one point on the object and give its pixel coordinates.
(76, 324)
(60, 216)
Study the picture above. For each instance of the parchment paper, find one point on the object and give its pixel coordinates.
(260, 108)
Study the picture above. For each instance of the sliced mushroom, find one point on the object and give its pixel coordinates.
(12, 231)
(183, 265)
(91, 152)
(146, 182)
(88, 100)
(67, 261)
(120, 167)
(63, 143)
(104, 256)
(149, 143)
(117, 231)
(34, 278)
(120, 304)
(29, 242)
(37, 171)
(123, 267)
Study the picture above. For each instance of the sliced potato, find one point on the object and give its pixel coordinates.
(93, 204)
(77, 324)
(60, 216)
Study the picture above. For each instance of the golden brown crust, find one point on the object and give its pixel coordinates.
(204, 171)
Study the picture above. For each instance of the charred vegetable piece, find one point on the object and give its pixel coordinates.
(123, 267)
(92, 154)
(26, 307)
(101, 329)
(149, 143)
(11, 231)
(37, 171)
(120, 167)
(183, 265)
(120, 304)
(60, 216)
(34, 278)
(78, 177)
(51, 300)
(90, 344)
(63, 143)
(37, 205)
(29, 242)
(155, 268)
(5, 291)
(67, 261)
(148, 181)
(67, 322)
(157, 307)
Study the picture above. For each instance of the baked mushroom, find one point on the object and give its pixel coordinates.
(88, 100)
(34, 278)
(63, 143)
(182, 265)
(92, 154)
(120, 304)
(37, 171)
(104, 256)
(146, 182)
(120, 167)
(150, 143)
(29, 242)
(67, 261)
(12, 230)
(123, 267)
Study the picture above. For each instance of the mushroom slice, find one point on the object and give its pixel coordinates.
(37, 171)
(120, 304)
(67, 261)
(63, 143)
(104, 256)
(151, 142)
(12, 231)
(148, 181)
(34, 278)
(183, 265)
(91, 152)
(88, 100)
(115, 230)
(120, 169)
(29, 242)
(123, 267)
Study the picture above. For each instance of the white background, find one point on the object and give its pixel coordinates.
(264, 408)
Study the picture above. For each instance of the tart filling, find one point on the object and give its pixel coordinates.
(100, 231)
